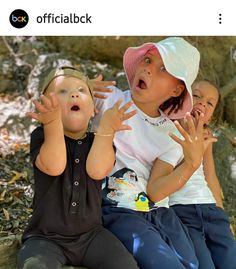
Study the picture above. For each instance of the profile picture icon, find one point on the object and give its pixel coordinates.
(19, 18)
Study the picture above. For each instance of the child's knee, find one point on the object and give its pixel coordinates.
(33, 263)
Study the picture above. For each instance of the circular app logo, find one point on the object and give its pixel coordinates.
(19, 18)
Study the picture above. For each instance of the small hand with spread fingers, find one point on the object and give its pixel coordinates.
(48, 109)
(194, 143)
(207, 134)
(112, 119)
(100, 86)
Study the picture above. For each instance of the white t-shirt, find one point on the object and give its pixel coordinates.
(136, 151)
(195, 191)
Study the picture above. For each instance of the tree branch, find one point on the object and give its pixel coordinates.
(228, 88)
(18, 60)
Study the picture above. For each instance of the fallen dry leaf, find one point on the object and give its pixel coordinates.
(6, 214)
(16, 177)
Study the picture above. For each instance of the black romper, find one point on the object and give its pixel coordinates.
(66, 225)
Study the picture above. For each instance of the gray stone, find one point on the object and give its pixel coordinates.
(9, 246)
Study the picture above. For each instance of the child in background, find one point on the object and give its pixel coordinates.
(66, 225)
(135, 203)
(199, 203)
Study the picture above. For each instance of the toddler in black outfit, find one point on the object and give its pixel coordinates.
(69, 164)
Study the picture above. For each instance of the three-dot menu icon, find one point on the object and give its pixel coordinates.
(220, 18)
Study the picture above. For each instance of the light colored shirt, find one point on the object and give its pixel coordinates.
(195, 191)
(136, 151)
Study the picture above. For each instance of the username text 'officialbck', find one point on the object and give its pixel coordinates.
(70, 18)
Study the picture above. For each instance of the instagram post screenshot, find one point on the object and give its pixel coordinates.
(118, 135)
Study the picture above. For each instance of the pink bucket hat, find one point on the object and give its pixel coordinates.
(180, 59)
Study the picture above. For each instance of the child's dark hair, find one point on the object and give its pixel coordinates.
(175, 103)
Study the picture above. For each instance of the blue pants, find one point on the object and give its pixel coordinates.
(157, 239)
(209, 228)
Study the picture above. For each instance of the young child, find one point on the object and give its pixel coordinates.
(198, 203)
(160, 77)
(66, 225)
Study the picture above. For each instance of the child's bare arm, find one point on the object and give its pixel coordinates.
(211, 177)
(52, 156)
(163, 179)
(101, 157)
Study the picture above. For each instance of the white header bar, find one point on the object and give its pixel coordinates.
(107, 17)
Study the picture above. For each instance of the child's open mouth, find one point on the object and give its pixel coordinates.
(75, 108)
(142, 84)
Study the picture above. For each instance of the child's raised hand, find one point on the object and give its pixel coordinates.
(207, 135)
(48, 109)
(100, 86)
(112, 119)
(193, 143)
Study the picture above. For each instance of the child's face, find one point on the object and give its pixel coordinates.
(205, 99)
(76, 102)
(152, 83)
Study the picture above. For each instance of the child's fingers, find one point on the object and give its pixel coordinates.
(176, 139)
(54, 100)
(100, 96)
(206, 134)
(125, 107)
(129, 115)
(99, 84)
(125, 128)
(200, 124)
(32, 115)
(209, 141)
(98, 81)
(190, 124)
(39, 106)
(117, 104)
(196, 116)
(181, 130)
(101, 88)
(98, 78)
(46, 102)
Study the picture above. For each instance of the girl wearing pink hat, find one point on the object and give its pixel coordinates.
(135, 194)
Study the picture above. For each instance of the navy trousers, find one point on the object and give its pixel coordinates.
(157, 239)
(209, 228)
